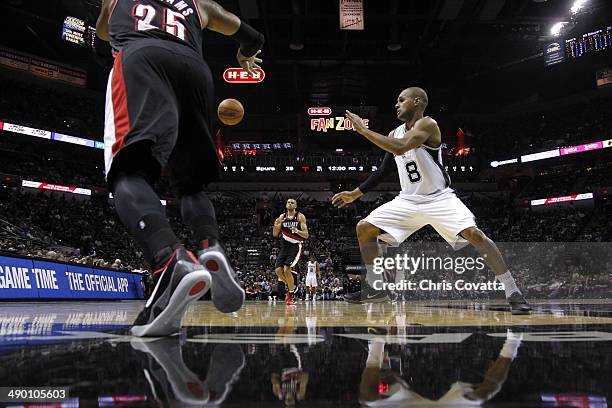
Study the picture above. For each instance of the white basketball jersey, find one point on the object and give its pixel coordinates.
(312, 267)
(421, 173)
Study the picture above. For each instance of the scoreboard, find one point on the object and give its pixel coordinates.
(590, 42)
(465, 166)
(76, 31)
(237, 168)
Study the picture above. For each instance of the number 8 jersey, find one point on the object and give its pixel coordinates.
(179, 21)
(422, 176)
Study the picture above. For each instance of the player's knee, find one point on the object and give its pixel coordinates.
(473, 235)
(365, 230)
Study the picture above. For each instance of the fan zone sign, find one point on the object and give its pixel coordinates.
(335, 123)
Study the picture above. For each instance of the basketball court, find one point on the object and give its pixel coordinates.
(314, 353)
(457, 153)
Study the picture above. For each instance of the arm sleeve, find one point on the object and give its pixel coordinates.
(383, 170)
(250, 39)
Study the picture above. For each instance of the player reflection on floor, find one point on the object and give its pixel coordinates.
(289, 381)
(382, 387)
(172, 383)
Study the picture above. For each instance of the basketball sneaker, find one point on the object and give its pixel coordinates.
(227, 295)
(181, 281)
(518, 304)
(226, 363)
(367, 295)
(171, 382)
(289, 299)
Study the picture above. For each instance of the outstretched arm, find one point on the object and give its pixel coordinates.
(346, 197)
(216, 18)
(422, 131)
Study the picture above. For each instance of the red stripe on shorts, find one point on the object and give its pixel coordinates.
(120, 106)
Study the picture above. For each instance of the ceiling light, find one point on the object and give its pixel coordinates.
(557, 27)
(577, 6)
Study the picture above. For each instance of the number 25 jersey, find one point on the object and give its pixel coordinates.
(179, 21)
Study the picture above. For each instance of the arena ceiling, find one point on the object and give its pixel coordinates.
(434, 41)
(408, 32)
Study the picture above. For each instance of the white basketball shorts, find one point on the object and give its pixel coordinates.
(400, 218)
(311, 280)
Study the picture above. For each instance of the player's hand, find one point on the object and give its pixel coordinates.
(279, 220)
(343, 198)
(249, 63)
(294, 230)
(358, 124)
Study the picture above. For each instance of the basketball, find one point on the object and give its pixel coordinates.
(230, 111)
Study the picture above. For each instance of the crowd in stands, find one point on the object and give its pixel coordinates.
(542, 127)
(69, 110)
(50, 167)
(86, 229)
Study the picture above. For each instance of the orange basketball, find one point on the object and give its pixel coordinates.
(230, 111)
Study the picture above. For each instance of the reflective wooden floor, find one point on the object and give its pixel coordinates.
(316, 354)
(327, 313)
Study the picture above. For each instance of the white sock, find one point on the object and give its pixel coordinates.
(511, 346)
(376, 353)
(509, 284)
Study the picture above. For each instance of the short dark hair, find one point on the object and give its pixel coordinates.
(420, 93)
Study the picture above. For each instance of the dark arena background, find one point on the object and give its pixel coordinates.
(522, 93)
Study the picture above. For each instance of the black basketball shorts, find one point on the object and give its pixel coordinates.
(289, 254)
(159, 108)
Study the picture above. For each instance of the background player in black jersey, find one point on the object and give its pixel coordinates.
(292, 229)
(159, 106)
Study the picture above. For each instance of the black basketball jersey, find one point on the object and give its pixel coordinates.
(288, 223)
(179, 21)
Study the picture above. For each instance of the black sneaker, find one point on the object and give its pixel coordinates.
(518, 304)
(226, 363)
(170, 380)
(368, 295)
(179, 282)
(227, 295)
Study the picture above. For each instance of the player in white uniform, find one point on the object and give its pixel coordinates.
(311, 278)
(386, 388)
(425, 198)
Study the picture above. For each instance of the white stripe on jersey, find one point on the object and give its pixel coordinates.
(109, 125)
(422, 176)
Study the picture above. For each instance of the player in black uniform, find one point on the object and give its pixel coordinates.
(292, 229)
(159, 105)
